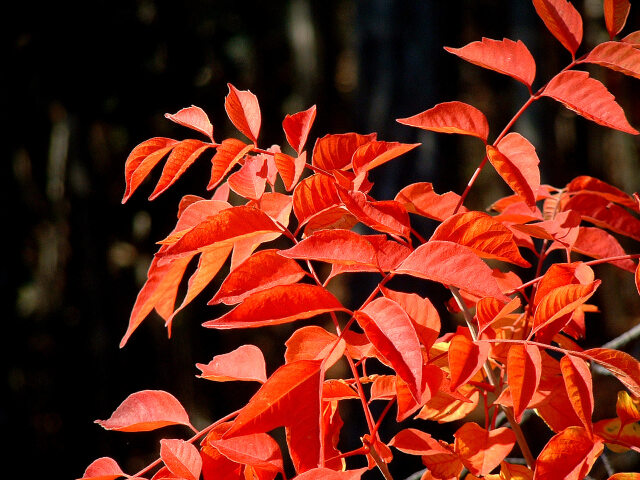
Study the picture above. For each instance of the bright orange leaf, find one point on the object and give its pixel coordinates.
(243, 111)
(466, 358)
(244, 363)
(296, 127)
(181, 458)
(579, 385)
(524, 369)
(193, 117)
(451, 117)
(482, 450)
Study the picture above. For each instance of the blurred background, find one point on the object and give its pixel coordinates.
(84, 82)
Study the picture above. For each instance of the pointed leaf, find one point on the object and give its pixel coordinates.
(296, 127)
(104, 468)
(228, 153)
(181, 458)
(386, 216)
(524, 369)
(561, 301)
(391, 331)
(569, 455)
(141, 161)
(618, 56)
(313, 195)
(451, 117)
(627, 408)
(290, 168)
(276, 305)
(586, 184)
(444, 407)
(485, 236)
(601, 212)
(193, 117)
(416, 442)
(451, 264)
(420, 198)
(146, 410)
(333, 152)
(579, 385)
(633, 38)
(489, 310)
(503, 56)
(389, 254)
(562, 20)
(375, 153)
(257, 450)
(615, 15)
(482, 450)
(621, 364)
(244, 363)
(243, 111)
(596, 243)
(589, 98)
(314, 343)
(465, 359)
(334, 246)
(249, 182)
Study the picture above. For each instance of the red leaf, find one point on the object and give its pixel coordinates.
(276, 305)
(482, 450)
(333, 152)
(386, 216)
(421, 199)
(243, 111)
(249, 182)
(313, 195)
(146, 410)
(588, 97)
(615, 15)
(577, 381)
(597, 243)
(451, 117)
(569, 455)
(375, 153)
(485, 236)
(618, 56)
(228, 153)
(262, 270)
(637, 277)
(226, 227)
(314, 343)
(181, 458)
(562, 20)
(586, 184)
(244, 363)
(621, 364)
(516, 161)
(104, 468)
(142, 159)
(451, 264)
(296, 127)
(290, 397)
(465, 359)
(598, 210)
(524, 368)
(391, 331)
(506, 56)
(563, 228)
(489, 310)
(257, 450)
(193, 117)
(416, 442)
(290, 168)
(321, 473)
(633, 38)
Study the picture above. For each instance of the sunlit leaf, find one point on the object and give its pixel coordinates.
(621, 364)
(335, 151)
(627, 408)
(482, 450)
(569, 455)
(228, 154)
(489, 310)
(618, 56)
(313, 195)
(465, 359)
(562, 20)
(243, 111)
(141, 161)
(181, 458)
(451, 117)
(596, 243)
(193, 117)
(420, 198)
(322, 473)
(601, 212)
(104, 468)
(579, 385)
(584, 183)
(296, 127)
(386, 216)
(290, 168)
(334, 246)
(257, 450)
(244, 363)
(314, 343)
(524, 369)
(375, 153)
(249, 182)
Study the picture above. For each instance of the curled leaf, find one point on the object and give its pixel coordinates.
(181, 458)
(451, 117)
(193, 117)
(244, 111)
(244, 363)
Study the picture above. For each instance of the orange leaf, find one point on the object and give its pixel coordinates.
(579, 385)
(146, 410)
(228, 153)
(482, 450)
(391, 331)
(313, 195)
(598, 210)
(485, 236)
(290, 397)
(407, 404)
(562, 20)
(141, 161)
(420, 198)
(249, 182)
(465, 359)
(637, 277)
(451, 117)
(589, 98)
(386, 216)
(615, 15)
(596, 243)
(333, 152)
(524, 368)
(296, 127)
(627, 408)
(334, 246)
(322, 473)
(618, 56)
(621, 364)
(584, 184)
(243, 111)
(515, 160)
(262, 270)
(451, 264)
(257, 450)
(375, 153)
(506, 56)
(556, 410)
(276, 305)
(290, 168)
(633, 38)
(416, 442)
(193, 117)
(389, 254)
(444, 408)
(625, 476)
(569, 455)
(244, 363)
(489, 310)
(104, 468)
(314, 343)
(181, 458)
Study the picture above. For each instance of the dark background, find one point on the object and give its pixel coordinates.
(84, 82)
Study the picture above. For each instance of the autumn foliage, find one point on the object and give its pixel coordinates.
(300, 206)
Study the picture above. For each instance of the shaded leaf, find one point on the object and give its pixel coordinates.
(193, 117)
(596, 243)
(480, 232)
(333, 152)
(524, 369)
(615, 15)
(503, 56)
(588, 184)
(243, 111)
(601, 212)
(633, 38)
(146, 410)
(621, 364)
(569, 455)
(141, 161)
(244, 363)
(589, 98)
(420, 198)
(562, 20)
(618, 56)
(181, 458)
(627, 408)
(104, 468)
(466, 358)
(451, 117)
(482, 450)
(296, 127)
(276, 305)
(228, 154)
(579, 385)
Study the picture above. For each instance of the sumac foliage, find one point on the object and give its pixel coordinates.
(516, 348)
